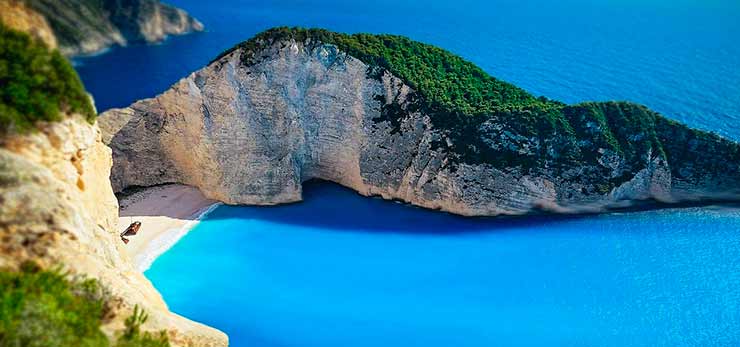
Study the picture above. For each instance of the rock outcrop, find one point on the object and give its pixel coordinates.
(87, 27)
(16, 15)
(301, 109)
(57, 208)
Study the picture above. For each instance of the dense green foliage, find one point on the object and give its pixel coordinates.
(697, 151)
(457, 94)
(36, 84)
(42, 308)
(45, 309)
(484, 120)
(444, 79)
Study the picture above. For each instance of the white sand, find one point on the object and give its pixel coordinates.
(166, 214)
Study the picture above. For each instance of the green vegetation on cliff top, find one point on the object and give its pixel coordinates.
(36, 84)
(491, 121)
(444, 79)
(41, 308)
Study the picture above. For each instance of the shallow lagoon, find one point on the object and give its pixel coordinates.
(343, 270)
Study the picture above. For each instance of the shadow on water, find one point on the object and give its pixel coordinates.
(330, 206)
(327, 205)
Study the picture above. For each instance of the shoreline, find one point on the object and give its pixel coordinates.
(167, 239)
(167, 214)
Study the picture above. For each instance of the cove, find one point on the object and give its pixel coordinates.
(343, 270)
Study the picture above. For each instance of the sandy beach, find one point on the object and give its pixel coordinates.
(166, 214)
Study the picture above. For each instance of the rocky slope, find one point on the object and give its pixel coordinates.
(89, 26)
(16, 15)
(290, 106)
(57, 208)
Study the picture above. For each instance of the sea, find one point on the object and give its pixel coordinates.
(343, 270)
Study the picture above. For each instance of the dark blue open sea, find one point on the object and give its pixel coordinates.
(342, 270)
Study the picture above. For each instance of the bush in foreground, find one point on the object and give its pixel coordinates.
(46, 309)
(36, 84)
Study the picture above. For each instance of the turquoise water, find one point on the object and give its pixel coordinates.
(344, 270)
(341, 270)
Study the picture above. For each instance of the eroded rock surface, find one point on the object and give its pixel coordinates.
(16, 15)
(57, 208)
(252, 133)
(87, 27)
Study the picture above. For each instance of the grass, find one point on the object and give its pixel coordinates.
(133, 336)
(44, 308)
(38, 84)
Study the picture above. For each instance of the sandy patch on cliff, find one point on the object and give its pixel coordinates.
(166, 214)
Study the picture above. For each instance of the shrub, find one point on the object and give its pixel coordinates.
(43, 308)
(488, 121)
(133, 336)
(445, 80)
(36, 84)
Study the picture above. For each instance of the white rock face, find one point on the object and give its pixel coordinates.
(165, 20)
(57, 208)
(253, 134)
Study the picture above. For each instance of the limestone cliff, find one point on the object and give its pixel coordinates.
(276, 111)
(16, 15)
(57, 208)
(86, 27)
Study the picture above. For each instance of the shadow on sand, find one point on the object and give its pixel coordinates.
(330, 206)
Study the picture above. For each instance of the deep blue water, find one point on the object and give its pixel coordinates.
(344, 270)
(341, 270)
(681, 58)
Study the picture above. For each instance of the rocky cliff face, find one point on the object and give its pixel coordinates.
(251, 133)
(86, 27)
(57, 208)
(16, 15)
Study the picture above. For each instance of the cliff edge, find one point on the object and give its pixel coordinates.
(85, 27)
(391, 117)
(57, 207)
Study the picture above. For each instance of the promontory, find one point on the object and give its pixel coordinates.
(79, 27)
(391, 117)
